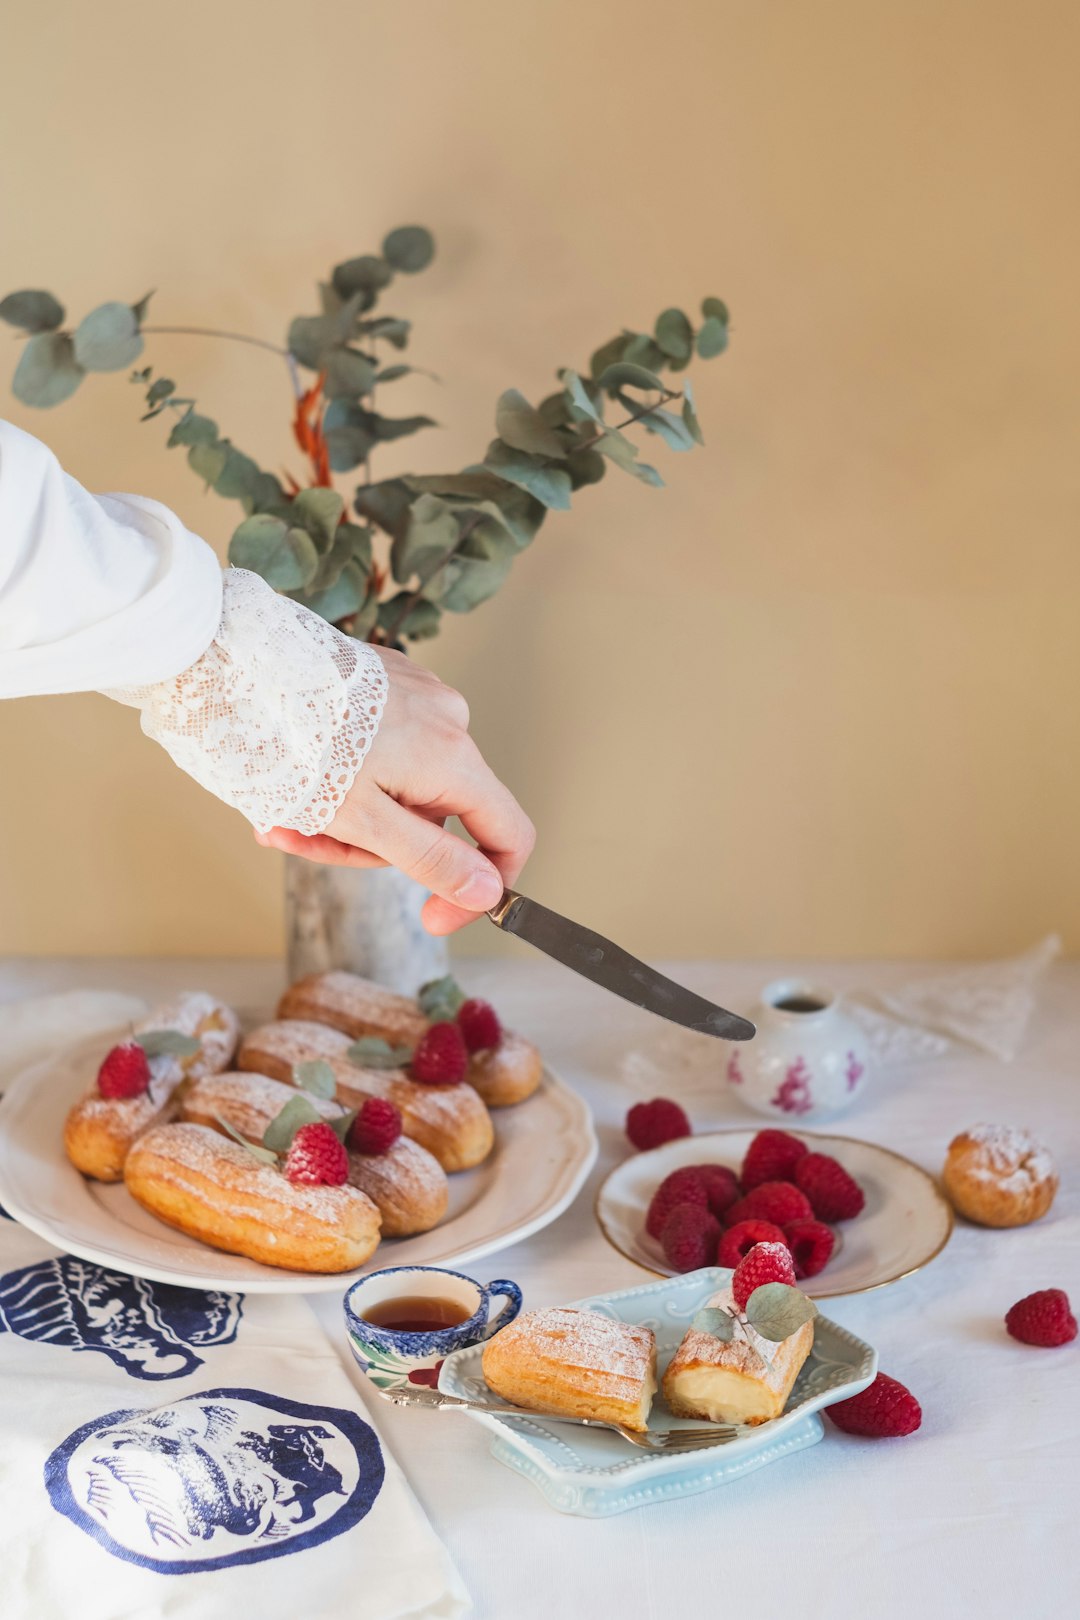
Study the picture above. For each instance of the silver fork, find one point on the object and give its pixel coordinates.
(719, 1434)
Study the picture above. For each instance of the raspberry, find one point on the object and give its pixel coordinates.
(738, 1240)
(316, 1158)
(1042, 1318)
(651, 1124)
(721, 1187)
(764, 1263)
(376, 1127)
(681, 1187)
(441, 1058)
(776, 1201)
(125, 1071)
(811, 1243)
(689, 1237)
(833, 1194)
(885, 1408)
(771, 1156)
(479, 1024)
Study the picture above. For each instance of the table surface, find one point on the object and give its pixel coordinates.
(972, 1516)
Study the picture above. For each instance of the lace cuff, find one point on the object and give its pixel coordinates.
(278, 713)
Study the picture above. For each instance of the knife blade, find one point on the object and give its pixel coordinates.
(614, 969)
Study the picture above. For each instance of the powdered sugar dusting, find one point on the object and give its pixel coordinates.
(588, 1341)
(196, 1148)
(1010, 1157)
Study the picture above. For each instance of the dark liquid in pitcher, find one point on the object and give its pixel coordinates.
(413, 1313)
(800, 1004)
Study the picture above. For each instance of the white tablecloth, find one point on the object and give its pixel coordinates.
(973, 1516)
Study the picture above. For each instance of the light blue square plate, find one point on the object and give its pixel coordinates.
(593, 1473)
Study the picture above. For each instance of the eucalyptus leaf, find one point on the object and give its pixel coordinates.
(712, 339)
(369, 1052)
(521, 426)
(264, 1155)
(315, 1077)
(440, 1000)
(285, 557)
(299, 1110)
(47, 372)
(549, 485)
(108, 339)
(409, 248)
(159, 390)
(689, 414)
(348, 374)
(715, 309)
(608, 353)
(367, 274)
(432, 533)
(623, 452)
(642, 351)
(33, 310)
(238, 477)
(776, 1311)
(586, 467)
(473, 580)
(318, 511)
(349, 441)
(716, 1323)
(334, 559)
(419, 623)
(139, 310)
(312, 339)
(388, 428)
(341, 1124)
(392, 373)
(390, 327)
(344, 598)
(578, 395)
(159, 1042)
(363, 621)
(208, 460)
(625, 374)
(193, 429)
(386, 503)
(674, 334)
(672, 429)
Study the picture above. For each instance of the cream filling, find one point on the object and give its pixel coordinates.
(724, 1395)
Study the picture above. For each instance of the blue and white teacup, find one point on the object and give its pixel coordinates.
(390, 1357)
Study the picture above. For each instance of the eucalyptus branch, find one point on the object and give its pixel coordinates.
(212, 332)
(666, 397)
(472, 522)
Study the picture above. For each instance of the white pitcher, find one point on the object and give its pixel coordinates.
(809, 1059)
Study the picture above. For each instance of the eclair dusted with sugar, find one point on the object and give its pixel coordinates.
(450, 1121)
(503, 1074)
(405, 1183)
(100, 1129)
(211, 1188)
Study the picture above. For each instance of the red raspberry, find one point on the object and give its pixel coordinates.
(479, 1024)
(125, 1071)
(316, 1158)
(1042, 1318)
(376, 1127)
(833, 1194)
(651, 1124)
(738, 1240)
(689, 1237)
(771, 1156)
(720, 1185)
(776, 1201)
(883, 1409)
(681, 1187)
(811, 1243)
(764, 1263)
(441, 1058)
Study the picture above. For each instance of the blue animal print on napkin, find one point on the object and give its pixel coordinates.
(152, 1330)
(228, 1476)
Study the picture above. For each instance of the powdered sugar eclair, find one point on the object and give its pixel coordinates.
(213, 1189)
(405, 1182)
(134, 1091)
(505, 1073)
(449, 1120)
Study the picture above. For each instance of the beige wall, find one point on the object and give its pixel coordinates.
(819, 695)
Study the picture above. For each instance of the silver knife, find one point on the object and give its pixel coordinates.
(614, 969)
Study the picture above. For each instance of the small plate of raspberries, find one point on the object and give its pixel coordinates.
(853, 1215)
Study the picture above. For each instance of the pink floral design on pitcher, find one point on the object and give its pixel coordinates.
(734, 1070)
(854, 1071)
(793, 1093)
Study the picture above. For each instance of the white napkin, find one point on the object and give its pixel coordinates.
(169, 1452)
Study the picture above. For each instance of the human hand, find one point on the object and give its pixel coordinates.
(422, 768)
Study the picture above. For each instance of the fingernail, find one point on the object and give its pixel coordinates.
(481, 889)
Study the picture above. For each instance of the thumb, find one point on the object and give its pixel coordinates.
(448, 866)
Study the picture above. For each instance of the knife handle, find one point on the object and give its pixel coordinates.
(501, 913)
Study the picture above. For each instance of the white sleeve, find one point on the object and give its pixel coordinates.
(261, 701)
(95, 590)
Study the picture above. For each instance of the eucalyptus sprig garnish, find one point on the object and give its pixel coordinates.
(441, 1000)
(775, 1311)
(370, 1052)
(315, 1077)
(171, 1042)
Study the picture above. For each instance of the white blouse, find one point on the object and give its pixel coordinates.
(260, 700)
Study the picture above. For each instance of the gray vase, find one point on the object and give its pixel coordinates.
(366, 921)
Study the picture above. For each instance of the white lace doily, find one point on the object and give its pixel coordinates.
(278, 713)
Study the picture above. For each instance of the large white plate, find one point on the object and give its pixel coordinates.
(906, 1221)
(595, 1473)
(544, 1149)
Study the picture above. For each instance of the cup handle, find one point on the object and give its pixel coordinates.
(512, 1292)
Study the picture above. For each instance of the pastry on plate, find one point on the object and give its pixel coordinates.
(100, 1128)
(745, 1379)
(505, 1073)
(450, 1121)
(999, 1176)
(406, 1183)
(213, 1189)
(578, 1363)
